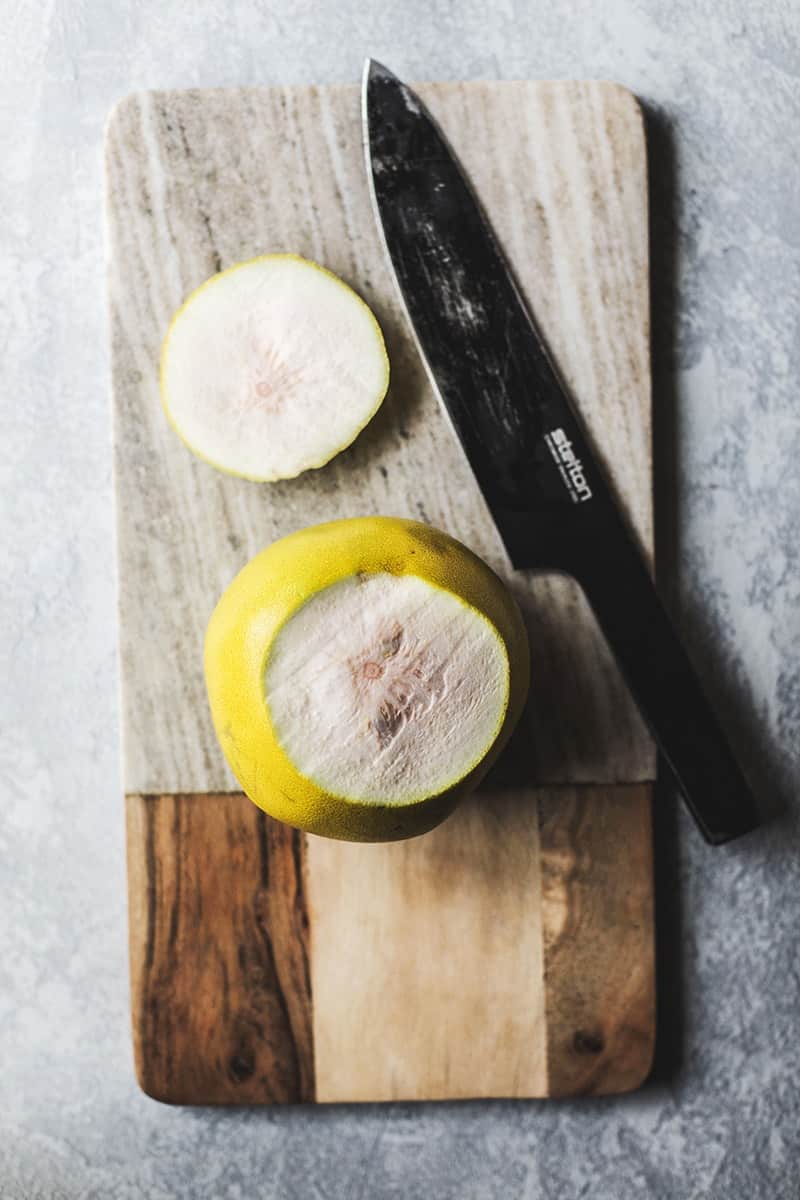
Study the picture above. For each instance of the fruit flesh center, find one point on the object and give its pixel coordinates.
(386, 689)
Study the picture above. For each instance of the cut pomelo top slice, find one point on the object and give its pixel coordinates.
(386, 689)
(363, 675)
(272, 367)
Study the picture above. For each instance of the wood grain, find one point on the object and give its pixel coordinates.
(198, 180)
(450, 967)
(427, 960)
(220, 986)
(597, 924)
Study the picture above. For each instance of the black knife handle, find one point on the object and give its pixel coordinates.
(668, 692)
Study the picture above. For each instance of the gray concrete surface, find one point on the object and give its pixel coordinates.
(722, 1116)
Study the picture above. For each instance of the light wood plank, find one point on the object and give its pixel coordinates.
(427, 960)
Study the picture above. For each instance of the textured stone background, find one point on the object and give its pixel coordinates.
(722, 1117)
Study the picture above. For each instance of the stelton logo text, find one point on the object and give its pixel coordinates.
(569, 465)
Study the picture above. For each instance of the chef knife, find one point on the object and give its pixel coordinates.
(524, 439)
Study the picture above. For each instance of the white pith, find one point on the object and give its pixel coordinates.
(272, 368)
(386, 689)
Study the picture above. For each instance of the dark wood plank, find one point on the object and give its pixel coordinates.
(597, 923)
(220, 980)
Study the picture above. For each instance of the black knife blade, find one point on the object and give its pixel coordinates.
(524, 439)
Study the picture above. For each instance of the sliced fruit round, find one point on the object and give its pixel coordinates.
(272, 367)
(363, 675)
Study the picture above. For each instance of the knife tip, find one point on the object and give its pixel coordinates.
(374, 70)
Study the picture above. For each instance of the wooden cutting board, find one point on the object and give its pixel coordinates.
(510, 952)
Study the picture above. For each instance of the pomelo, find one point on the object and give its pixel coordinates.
(272, 367)
(363, 675)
